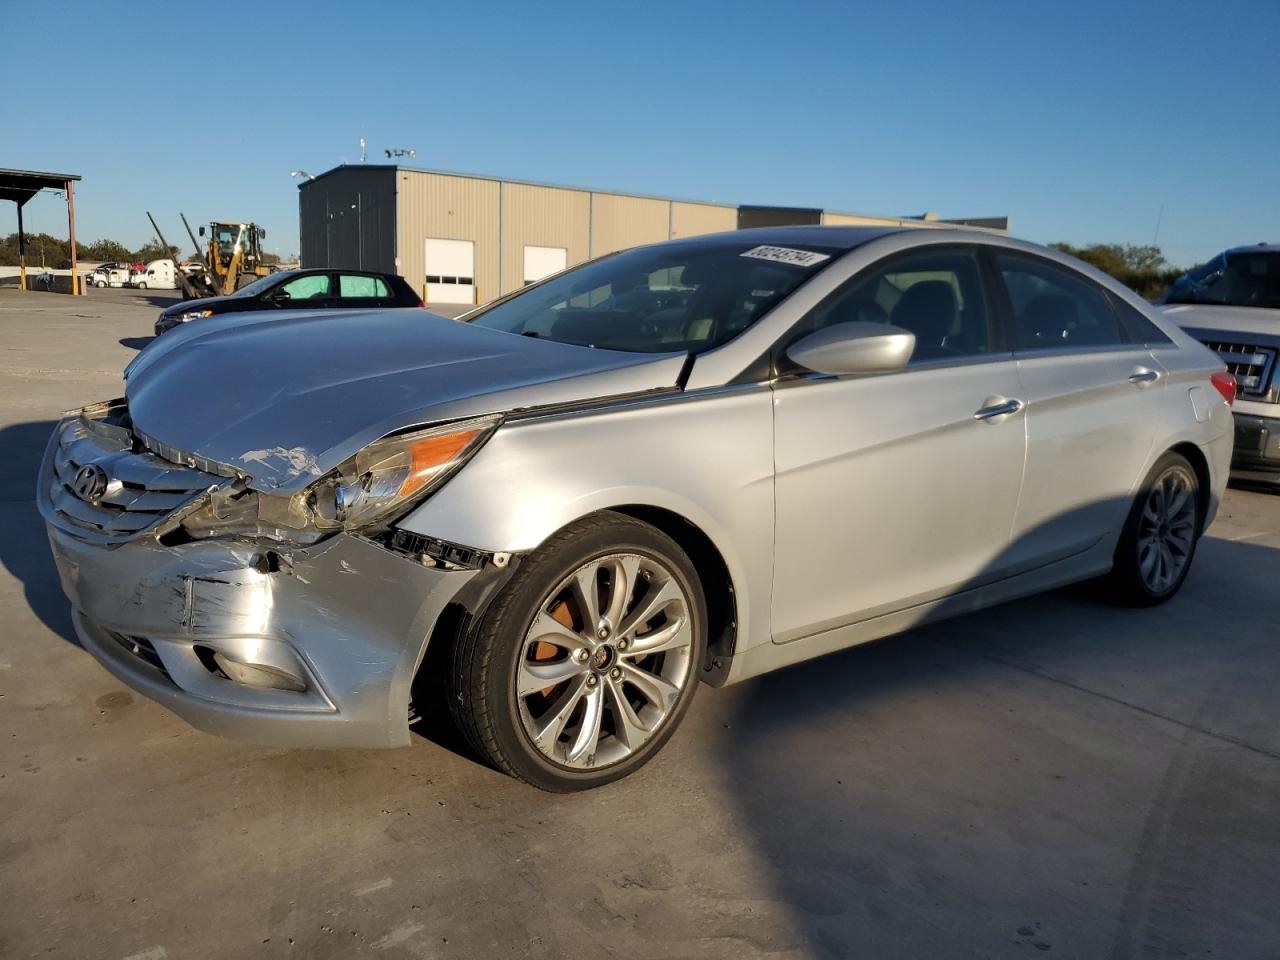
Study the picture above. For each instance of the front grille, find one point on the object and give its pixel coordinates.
(1252, 365)
(138, 489)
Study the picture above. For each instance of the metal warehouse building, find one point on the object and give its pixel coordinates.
(459, 238)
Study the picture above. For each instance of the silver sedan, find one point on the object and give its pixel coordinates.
(696, 461)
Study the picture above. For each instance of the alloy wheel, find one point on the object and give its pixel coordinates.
(602, 665)
(1167, 529)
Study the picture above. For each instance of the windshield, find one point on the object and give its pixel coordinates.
(1238, 279)
(666, 298)
(262, 284)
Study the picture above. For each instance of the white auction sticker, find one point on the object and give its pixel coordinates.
(797, 258)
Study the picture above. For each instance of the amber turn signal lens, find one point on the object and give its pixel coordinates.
(430, 455)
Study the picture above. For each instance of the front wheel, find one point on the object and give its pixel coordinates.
(587, 661)
(141, 286)
(1159, 538)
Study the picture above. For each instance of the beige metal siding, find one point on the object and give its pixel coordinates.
(692, 219)
(619, 221)
(451, 208)
(542, 217)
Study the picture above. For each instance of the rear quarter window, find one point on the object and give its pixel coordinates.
(1138, 328)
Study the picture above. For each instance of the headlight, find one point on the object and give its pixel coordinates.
(190, 315)
(390, 474)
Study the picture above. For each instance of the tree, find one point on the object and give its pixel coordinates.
(1141, 268)
(104, 250)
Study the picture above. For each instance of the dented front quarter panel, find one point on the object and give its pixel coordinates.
(705, 456)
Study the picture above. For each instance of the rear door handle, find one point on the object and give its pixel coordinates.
(997, 407)
(1143, 375)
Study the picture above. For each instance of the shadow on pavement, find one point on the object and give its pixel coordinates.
(24, 549)
(1051, 774)
(135, 343)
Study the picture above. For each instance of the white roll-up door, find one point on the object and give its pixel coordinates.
(451, 271)
(541, 262)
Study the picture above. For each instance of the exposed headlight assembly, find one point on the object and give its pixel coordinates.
(386, 476)
(370, 490)
(188, 315)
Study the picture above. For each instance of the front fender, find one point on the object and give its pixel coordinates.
(707, 457)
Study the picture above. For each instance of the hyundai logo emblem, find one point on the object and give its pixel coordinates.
(90, 482)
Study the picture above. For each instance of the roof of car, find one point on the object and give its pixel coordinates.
(1255, 248)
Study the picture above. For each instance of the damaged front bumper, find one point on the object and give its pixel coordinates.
(296, 646)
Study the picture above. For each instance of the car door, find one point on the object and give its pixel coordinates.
(895, 489)
(357, 290)
(1092, 401)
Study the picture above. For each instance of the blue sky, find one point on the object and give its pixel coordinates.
(1081, 120)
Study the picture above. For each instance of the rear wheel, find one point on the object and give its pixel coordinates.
(1160, 535)
(586, 663)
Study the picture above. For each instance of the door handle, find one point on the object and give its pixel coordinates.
(1143, 375)
(997, 407)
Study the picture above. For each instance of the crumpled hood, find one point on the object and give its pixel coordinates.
(1244, 320)
(287, 396)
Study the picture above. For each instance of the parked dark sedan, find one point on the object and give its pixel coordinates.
(319, 289)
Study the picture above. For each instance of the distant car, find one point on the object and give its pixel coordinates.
(319, 289)
(1232, 305)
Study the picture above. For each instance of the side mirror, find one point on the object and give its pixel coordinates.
(202, 231)
(854, 347)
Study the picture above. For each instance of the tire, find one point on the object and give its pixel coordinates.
(100, 284)
(141, 286)
(1160, 534)
(605, 711)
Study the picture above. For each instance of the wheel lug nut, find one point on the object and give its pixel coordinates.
(592, 680)
(616, 672)
(580, 655)
(603, 633)
(623, 644)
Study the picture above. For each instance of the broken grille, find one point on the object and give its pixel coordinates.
(1252, 365)
(134, 490)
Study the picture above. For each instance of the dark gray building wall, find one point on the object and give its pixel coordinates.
(347, 218)
(749, 217)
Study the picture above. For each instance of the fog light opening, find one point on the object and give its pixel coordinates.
(261, 675)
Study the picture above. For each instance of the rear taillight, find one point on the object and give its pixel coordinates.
(1225, 384)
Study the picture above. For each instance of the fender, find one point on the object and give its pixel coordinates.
(706, 456)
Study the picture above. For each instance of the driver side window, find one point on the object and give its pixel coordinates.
(936, 294)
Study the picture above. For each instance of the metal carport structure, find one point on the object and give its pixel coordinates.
(20, 186)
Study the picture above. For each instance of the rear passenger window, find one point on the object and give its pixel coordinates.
(936, 294)
(1054, 308)
(357, 287)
